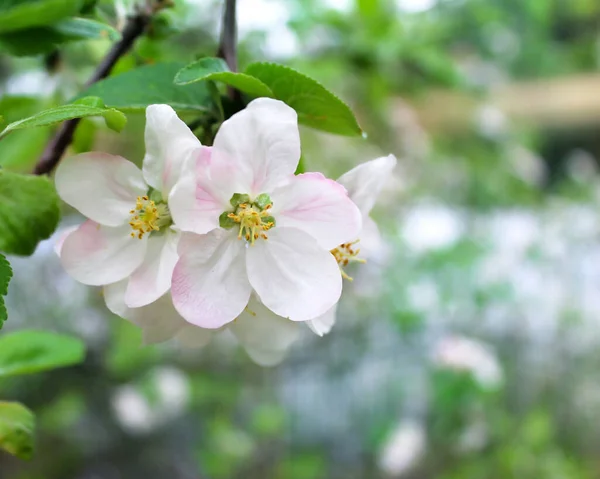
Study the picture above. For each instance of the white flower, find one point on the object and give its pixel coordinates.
(404, 448)
(464, 354)
(258, 228)
(128, 236)
(363, 183)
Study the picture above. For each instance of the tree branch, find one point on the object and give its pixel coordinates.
(134, 28)
(228, 44)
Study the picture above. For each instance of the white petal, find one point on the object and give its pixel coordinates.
(193, 337)
(62, 236)
(293, 276)
(97, 255)
(100, 186)
(159, 321)
(323, 324)
(265, 336)
(197, 200)
(263, 142)
(320, 207)
(210, 287)
(171, 148)
(365, 181)
(153, 278)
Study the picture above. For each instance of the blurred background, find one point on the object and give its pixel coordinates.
(469, 348)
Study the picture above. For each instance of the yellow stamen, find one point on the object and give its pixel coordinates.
(252, 221)
(147, 217)
(345, 254)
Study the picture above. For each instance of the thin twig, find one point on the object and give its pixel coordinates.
(228, 44)
(134, 28)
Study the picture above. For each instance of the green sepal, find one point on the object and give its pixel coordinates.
(262, 201)
(269, 219)
(239, 198)
(155, 196)
(225, 221)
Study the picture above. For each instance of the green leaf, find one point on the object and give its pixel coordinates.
(135, 89)
(216, 69)
(29, 211)
(31, 351)
(31, 41)
(82, 108)
(17, 424)
(45, 39)
(197, 70)
(82, 28)
(5, 275)
(316, 106)
(20, 14)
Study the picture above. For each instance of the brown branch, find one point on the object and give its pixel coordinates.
(134, 28)
(228, 44)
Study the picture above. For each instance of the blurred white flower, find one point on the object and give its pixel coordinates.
(463, 354)
(490, 121)
(404, 448)
(430, 227)
(474, 437)
(140, 414)
(132, 410)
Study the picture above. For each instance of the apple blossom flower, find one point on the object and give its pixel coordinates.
(128, 235)
(254, 227)
(363, 183)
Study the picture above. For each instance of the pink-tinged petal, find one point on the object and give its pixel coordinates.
(292, 275)
(100, 186)
(210, 287)
(62, 236)
(96, 255)
(193, 337)
(320, 207)
(159, 321)
(196, 201)
(153, 277)
(265, 336)
(323, 324)
(171, 148)
(263, 143)
(364, 182)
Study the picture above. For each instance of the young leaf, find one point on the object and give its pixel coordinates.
(5, 275)
(114, 119)
(29, 212)
(200, 68)
(20, 14)
(216, 69)
(31, 351)
(135, 89)
(316, 106)
(81, 28)
(17, 424)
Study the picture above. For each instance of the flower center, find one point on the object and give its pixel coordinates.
(252, 218)
(149, 216)
(345, 254)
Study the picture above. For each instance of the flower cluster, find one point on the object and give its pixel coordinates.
(223, 237)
